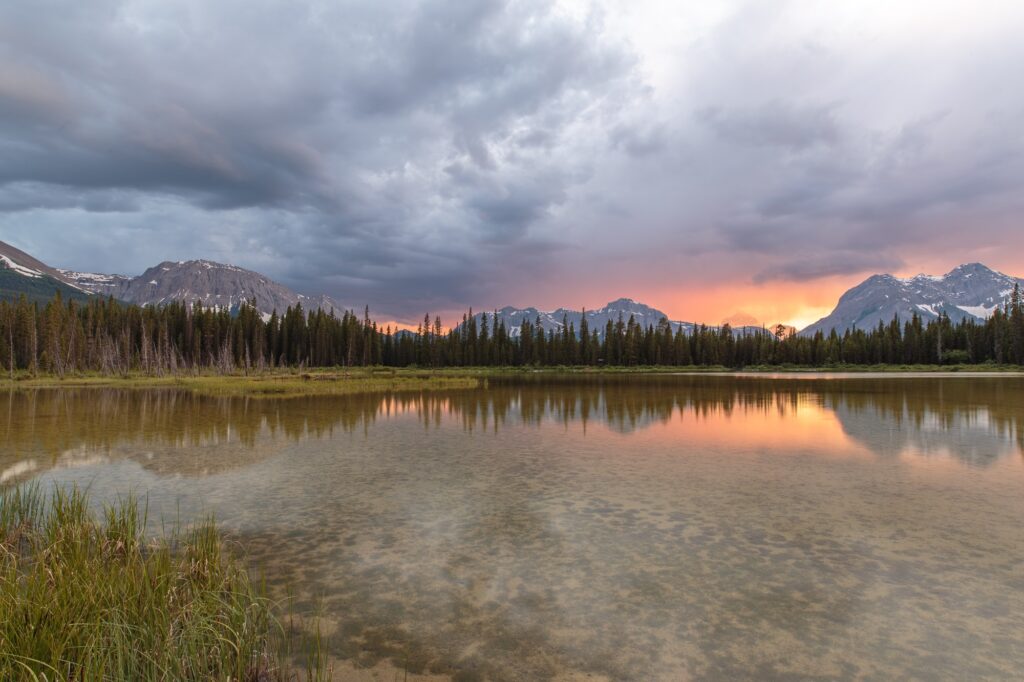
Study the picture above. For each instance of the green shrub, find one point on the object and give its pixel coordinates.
(956, 357)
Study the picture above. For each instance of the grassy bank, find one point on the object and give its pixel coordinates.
(277, 384)
(88, 599)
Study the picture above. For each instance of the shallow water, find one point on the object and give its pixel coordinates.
(659, 527)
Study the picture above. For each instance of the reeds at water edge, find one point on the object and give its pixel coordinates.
(88, 596)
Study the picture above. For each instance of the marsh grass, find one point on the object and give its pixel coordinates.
(274, 384)
(89, 597)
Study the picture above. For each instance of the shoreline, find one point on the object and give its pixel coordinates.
(339, 381)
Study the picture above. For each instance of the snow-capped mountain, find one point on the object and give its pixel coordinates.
(212, 284)
(967, 291)
(597, 320)
(21, 274)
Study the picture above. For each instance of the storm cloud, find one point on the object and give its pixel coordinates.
(428, 155)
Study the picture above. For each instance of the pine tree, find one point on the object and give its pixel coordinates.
(1016, 323)
(584, 339)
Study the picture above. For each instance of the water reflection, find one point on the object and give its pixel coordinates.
(662, 528)
(975, 420)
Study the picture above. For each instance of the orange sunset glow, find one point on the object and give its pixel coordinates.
(793, 303)
(778, 429)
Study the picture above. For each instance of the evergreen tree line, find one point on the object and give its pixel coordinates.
(107, 336)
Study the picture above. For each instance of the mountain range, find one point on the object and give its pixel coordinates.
(970, 291)
(597, 319)
(212, 284)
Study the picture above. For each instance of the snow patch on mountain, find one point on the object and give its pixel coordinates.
(18, 268)
(94, 278)
(979, 311)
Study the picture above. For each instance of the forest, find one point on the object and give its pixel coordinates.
(110, 337)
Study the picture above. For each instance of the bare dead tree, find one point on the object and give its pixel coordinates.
(10, 337)
(144, 349)
(34, 335)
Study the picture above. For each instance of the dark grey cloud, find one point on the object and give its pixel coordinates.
(317, 132)
(639, 140)
(430, 153)
(838, 263)
(774, 124)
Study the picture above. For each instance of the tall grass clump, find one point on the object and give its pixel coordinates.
(89, 597)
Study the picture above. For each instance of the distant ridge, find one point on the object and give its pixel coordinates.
(969, 291)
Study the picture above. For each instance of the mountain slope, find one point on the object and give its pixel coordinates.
(211, 284)
(23, 275)
(105, 285)
(967, 291)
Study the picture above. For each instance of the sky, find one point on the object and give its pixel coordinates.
(711, 159)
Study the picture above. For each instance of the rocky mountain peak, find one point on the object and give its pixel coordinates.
(971, 290)
(210, 283)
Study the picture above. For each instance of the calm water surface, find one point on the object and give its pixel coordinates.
(663, 528)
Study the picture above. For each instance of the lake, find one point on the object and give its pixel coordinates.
(621, 528)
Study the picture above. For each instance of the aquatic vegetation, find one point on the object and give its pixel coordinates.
(89, 598)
